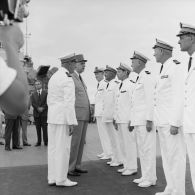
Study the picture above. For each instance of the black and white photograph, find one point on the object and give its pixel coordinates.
(97, 97)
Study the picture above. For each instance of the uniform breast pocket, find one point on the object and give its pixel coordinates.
(164, 76)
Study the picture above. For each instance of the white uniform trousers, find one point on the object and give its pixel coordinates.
(190, 142)
(146, 143)
(174, 159)
(58, 152)
(104, 139)
(128, 145)
(113, 136)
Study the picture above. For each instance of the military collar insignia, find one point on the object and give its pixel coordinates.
(176, 62)
(68, 74)
(117, 82)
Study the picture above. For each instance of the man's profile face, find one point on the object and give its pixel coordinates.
(158, 54)
(121, 74)
(109, 75)
(80, 67)
(135, 64)
(99, 76)
(185, 42)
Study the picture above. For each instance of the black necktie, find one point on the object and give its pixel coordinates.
(39, 94)
(107, 85)
(120, 85)
(81, 79)
(137, 78)
(98, 85)
(190, 63)
(161, 68)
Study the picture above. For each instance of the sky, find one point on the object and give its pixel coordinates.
(106, 32)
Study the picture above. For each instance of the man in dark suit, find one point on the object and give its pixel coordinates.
(11, 129)
(39, 104)
(82, 108)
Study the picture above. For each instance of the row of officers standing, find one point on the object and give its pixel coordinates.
(130, 112)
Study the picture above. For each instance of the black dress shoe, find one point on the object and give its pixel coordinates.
(37, 144)
(73, 173)
(8, 148)
(26, 144)
(81, 171)
(17, 147)
(51, 184)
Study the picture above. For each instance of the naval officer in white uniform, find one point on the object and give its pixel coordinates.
(122, 119)
(184, 104)
(99, 96)
(170, 144)
(108, 115)
(61, 121)
(146, 138)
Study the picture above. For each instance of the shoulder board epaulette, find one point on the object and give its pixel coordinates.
(68, 74)
(117, 82)
(147, 72)
(176, 62)
(132, 81)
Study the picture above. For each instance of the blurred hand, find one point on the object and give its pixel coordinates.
(71, 129)
(149, 126)
(174, 130)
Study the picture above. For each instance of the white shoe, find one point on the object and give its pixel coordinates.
(67, 183)
(105, 158)
(121, 170)
(100, 155)
(129, 172)
(145, 184)
(138, 180)
(115, 164)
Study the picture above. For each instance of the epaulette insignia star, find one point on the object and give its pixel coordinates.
(176, 62)
(132, 81)
(147, 72)
(117, 82)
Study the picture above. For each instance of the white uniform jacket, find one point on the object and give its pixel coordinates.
(142, 99)
(99, 96)
(163, 94)
(109, 101)
(184, 105)
(61, 99)
(122, 111)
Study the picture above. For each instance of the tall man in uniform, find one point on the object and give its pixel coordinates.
(61, 121)
(184, 105)
(122, 117)
(108, 115)
(104, 139)
(170, 143)
(146, 138)
(82, 108)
